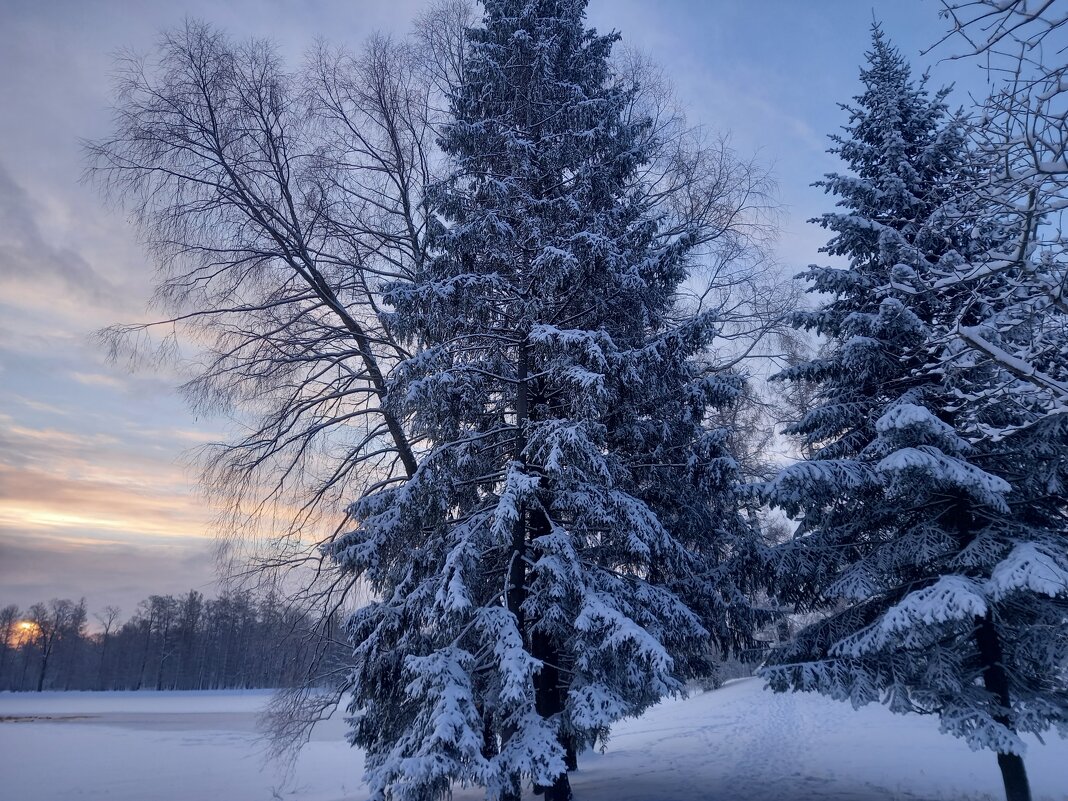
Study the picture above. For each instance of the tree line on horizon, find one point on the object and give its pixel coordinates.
(240, 640)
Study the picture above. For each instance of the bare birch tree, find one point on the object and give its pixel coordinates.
(1020, 139)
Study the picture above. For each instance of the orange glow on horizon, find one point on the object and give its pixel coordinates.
(24, 633)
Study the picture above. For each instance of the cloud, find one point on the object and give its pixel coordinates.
(27, 256)
(81, 451)
(50, 436)
(39, 568)
(107, 506)
(98, 380)
(39, 405)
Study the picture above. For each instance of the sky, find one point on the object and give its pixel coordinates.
(98, 483)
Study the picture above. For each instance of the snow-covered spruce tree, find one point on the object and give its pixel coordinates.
(936, 549)
(557, 560)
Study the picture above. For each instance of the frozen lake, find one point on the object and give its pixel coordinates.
(738, 743)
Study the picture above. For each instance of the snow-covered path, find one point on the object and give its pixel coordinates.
(738, 743)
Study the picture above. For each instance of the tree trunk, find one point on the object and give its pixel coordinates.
(550, 690)
(1014, 776)
(162, 658)
(532, 523)
(1013, 773)
(44, 669)
(75, 647)
(25, 667)
(144, 657)
(570, 754)
(517, 568)
(5, 648)
(100, 670)
(549, 696)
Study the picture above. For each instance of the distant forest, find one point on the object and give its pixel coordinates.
(239, 640)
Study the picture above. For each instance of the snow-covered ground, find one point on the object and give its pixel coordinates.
(738, 743)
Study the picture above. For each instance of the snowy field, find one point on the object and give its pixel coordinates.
(738, 743)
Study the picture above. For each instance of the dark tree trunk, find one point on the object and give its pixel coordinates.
(550, 690)
(549, 696)
(25, 667)
(517, 568)
(571, 755)
(44, 669)
(100, 669)
(1013, 773)
(144, 657)
(71, 660)
(991, 660)
(162, 659)
(489, 736)
(1014, 776)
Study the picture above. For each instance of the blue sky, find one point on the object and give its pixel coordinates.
(96, 495)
